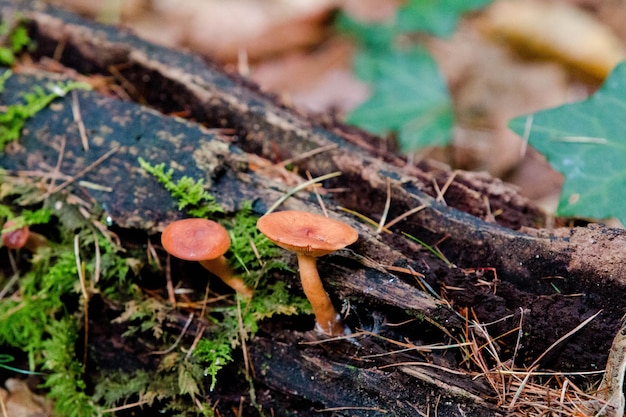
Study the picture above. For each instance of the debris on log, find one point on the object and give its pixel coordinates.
(481, 225)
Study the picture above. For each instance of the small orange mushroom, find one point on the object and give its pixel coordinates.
(21, 237)
(311, 236)
(204, 241)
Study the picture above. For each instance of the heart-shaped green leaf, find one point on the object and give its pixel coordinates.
(586, 142)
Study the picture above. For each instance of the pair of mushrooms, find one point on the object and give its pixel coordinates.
(308, 235)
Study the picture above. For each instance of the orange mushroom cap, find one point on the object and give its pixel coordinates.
(306, 233)
(195, 239)
(15, 239)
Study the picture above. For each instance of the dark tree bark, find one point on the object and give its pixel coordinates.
(528, 260)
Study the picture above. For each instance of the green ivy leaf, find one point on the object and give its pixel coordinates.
(436, 17)
(410, 97)
(586, 142)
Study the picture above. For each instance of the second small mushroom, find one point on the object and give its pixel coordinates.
(204, 241)
(21, 237)
(311, 236)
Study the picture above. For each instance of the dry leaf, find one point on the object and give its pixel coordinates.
(557, 30)
(20, 401)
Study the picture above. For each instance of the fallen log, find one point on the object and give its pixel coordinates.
(485, 225)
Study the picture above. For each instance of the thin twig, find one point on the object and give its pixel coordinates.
(409, 271)
(14, 278)
(300, 187)
(519, 390)
(151, 254)
(363, 217)
(383, 218)
(38, 173)
(97, 269)
(81, 173)
(124, 407)
(520, 332)
(243, 336)
(441, 192)
(78, 119)
(256, 253)
(562, 338)
(83, 287)
(425, 364)
(57, 168)
(171, 296)
(424, 348)
(317, 195)
(379, 410)
(196, 340)
(178, 339)
(510, 372)
(308, 154)
(405, 214)
(205, 299)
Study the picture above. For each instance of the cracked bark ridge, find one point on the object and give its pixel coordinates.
(172, 81)
(134, 200)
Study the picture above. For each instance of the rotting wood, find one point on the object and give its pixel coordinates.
(585, 260)
(264, 127)
(134, 200)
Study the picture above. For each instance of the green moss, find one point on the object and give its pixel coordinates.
(65, 379)
(189, 193)
(13, 118)
(16, 39)
(251, 253)
(45, 317)
(173, 383)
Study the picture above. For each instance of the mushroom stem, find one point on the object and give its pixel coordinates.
(220, 268)
(328, 320)
(35, 241)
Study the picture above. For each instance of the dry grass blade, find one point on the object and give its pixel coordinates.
(317, 195)
(81, 277)
(243, 336)
(364, 218)
(441, 192)
(405, 215)
(178, 339)
(81, 173)
(124, 407)
(57, 168)
(171, 296)
(309, 154)
(383, 218)
(12, 281)
(529, 392)
(78, 119)
(300, 187)
(564, 337)
(347, 408)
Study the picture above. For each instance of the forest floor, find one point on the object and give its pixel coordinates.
(490, 343)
